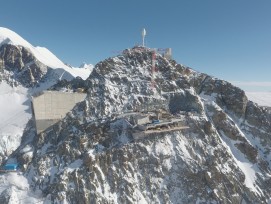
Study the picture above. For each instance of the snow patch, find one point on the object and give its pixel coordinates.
(15, 113)
(16, 186)
(247, 167)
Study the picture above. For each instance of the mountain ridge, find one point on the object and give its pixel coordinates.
(42, 54)
(91, 156)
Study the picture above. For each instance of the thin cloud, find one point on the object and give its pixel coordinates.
(252, 83)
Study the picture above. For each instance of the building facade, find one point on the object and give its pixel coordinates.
(51, 106)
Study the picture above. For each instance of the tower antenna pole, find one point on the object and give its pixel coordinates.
(143, 37)
(153, 69)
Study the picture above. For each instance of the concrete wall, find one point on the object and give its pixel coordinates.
(140, 120)
(50, 106)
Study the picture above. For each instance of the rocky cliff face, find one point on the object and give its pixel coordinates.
(90, 156)
(18, 65)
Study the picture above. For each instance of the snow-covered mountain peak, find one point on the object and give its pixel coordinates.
(42, 54)
(92, 156)
(84, 65)
(224, 155)
(10, 37)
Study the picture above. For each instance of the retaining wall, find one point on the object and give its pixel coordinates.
(51, 106)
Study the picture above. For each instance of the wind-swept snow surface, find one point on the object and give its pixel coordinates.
(14, 189)
(15, 113)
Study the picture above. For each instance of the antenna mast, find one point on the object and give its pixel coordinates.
(153, 69)
(143, 37)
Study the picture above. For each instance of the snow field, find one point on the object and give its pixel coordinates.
(17, 187)
(15, 113)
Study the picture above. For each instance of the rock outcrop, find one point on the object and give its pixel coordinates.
(21, 65)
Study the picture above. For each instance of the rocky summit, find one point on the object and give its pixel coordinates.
(92, 156)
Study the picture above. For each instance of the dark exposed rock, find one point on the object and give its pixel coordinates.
(228, 96)
(22, 65)
(185, 102)
(248, 150)
(5, 196)
(258, 116)
(73, 85)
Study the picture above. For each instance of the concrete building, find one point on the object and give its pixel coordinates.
(51, 106)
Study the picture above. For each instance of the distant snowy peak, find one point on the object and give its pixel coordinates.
(9, 37)
(42, 54)
(86, 66)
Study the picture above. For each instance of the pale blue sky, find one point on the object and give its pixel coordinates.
(229, 39)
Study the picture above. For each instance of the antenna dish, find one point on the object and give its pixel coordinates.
(143, 36)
